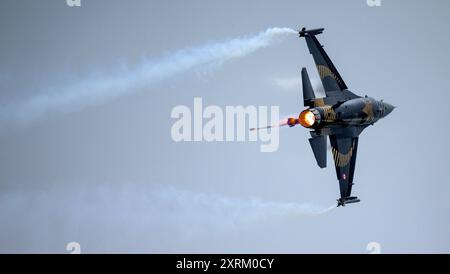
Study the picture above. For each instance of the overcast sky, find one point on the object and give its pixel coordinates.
(109, 176)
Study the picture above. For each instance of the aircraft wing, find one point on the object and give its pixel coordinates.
(344, 150)
(329, 75)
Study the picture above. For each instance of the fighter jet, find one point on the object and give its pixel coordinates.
(341, 116)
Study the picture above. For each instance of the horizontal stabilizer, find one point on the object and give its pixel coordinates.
(308, 92)
(319, 147)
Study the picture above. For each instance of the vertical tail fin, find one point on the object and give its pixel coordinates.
(308, 92)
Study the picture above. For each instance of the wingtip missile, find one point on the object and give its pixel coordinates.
(347, 200)
(304, 32)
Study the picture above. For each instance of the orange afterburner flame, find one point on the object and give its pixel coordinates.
(307, 118)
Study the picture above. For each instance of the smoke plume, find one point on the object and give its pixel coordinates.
(129, 217)
(99, 89)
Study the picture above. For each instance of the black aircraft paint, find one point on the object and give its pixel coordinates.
(341, 115)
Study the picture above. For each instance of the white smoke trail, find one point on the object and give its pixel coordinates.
(99, 89)
(326, 210)
(130, 216)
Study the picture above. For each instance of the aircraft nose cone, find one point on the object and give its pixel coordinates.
(388, 108)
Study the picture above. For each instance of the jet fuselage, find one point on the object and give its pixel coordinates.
(359, 111)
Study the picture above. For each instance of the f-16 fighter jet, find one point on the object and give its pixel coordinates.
(341, 116)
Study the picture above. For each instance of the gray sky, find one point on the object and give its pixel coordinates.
(110, 177)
